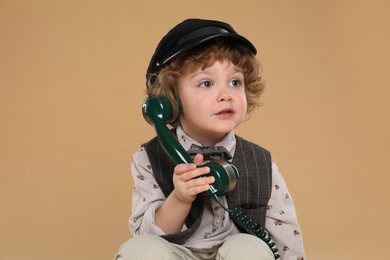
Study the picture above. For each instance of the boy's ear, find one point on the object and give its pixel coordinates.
(178, 109)
(150, 80)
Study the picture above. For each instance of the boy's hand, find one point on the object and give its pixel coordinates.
(186, 181)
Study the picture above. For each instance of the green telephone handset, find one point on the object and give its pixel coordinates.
(159, 112)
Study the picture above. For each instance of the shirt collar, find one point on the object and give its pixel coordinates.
(229, 141)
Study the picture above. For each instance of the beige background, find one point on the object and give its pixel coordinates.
(71, 88)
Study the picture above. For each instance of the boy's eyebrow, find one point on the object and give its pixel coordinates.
(197, 73)
(238, 70)
(204, 71)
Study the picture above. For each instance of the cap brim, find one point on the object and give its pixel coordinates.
(185, 47)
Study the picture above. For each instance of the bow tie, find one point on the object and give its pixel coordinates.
(210, 153)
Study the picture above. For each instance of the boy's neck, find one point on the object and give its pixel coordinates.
(204, 140)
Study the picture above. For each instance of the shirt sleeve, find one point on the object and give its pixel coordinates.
(147, 197)
(281, 219)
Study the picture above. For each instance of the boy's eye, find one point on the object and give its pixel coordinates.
(206, 84)
(235, 83)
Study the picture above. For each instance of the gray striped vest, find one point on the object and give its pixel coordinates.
(250, 196)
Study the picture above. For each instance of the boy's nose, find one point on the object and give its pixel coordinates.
(225, 97)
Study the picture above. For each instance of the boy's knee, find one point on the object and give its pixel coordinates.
(245, 246)
(144, 247)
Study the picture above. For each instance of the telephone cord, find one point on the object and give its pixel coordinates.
(248, 225)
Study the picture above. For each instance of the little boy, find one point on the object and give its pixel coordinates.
(211, 71)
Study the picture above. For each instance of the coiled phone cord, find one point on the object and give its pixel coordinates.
(248, 225)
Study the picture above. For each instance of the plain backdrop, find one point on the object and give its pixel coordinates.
(72, 77)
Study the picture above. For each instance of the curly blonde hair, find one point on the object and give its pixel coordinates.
(164, 83)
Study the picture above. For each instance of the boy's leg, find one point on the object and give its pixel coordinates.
(151, 247)
(244, 246)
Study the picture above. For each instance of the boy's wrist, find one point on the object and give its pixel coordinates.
(180, 200)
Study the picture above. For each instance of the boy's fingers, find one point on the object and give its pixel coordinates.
(182, 168)
(198, 159)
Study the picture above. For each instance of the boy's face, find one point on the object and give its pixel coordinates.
(213, 101)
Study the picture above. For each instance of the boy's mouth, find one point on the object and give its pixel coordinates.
(226, 112)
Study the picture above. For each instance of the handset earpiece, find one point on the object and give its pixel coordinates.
(155, 109)
(158, 112)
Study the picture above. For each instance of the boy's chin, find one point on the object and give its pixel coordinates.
(222, 131)
(227, 127)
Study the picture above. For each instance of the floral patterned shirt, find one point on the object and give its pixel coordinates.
(216, 225)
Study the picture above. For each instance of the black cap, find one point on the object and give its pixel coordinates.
(189, 34)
